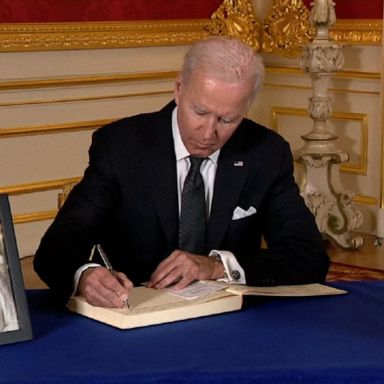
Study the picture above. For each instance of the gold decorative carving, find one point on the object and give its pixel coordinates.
(286, 28)
(62, 36)
(363, 32)
(237, 18)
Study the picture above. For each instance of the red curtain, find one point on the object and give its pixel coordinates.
(356, 9)
(36, 11)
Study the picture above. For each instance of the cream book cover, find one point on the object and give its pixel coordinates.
(157, 306)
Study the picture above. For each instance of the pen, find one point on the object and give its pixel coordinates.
(108, 265)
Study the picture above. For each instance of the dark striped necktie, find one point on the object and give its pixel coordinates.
(193, 211)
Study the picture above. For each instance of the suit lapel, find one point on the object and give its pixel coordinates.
(162, 162)
(232, 172)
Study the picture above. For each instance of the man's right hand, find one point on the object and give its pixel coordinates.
(103, 289)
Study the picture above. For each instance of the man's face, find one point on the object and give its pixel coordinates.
(209, 111)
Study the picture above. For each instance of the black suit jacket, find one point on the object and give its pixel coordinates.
(127, 201)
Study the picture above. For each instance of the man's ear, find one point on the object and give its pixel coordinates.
(177, 89)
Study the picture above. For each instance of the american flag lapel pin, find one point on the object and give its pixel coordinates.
(238, 163)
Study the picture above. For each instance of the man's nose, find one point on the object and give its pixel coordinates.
(210, 127)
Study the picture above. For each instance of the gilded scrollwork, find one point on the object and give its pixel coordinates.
(364, 32)
(62, 36)
(236, 18)
(286, 29)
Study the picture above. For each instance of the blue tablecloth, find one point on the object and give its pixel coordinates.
(334, 339)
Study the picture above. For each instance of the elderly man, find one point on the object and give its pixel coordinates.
(186, 193)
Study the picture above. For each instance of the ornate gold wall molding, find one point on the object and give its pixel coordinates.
(283, 30)
(362, 32)
(63, 36)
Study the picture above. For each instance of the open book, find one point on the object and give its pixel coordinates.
(156, 306)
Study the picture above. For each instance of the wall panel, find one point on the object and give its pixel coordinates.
(50, 111)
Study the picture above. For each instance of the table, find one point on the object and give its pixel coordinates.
(334, 339)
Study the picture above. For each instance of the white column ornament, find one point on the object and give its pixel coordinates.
(335, 214)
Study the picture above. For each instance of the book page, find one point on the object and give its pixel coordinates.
(300, 290)
(197, 289)
(146, 300)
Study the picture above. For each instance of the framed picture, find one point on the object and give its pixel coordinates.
(15, 322)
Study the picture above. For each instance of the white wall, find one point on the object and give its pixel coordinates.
(87, 88)
(51, 101)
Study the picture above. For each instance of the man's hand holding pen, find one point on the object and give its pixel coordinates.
(102, 288)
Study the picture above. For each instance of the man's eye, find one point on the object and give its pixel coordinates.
(225, 121)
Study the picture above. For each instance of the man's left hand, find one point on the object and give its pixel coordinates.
(182, 268)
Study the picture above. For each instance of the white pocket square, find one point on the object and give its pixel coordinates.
(240, 213)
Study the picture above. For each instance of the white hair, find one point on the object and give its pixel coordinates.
(224, 58)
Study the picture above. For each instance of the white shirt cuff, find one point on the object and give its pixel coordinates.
(78, 273)
(234, 272)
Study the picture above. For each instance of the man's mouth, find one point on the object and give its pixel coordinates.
(205, 145)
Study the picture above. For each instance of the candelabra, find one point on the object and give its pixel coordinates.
(334, 212)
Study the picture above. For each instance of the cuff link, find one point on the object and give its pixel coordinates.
(235, 274)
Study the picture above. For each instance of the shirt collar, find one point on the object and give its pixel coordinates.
(181, 151)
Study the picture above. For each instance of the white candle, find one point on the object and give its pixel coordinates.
(380, 223)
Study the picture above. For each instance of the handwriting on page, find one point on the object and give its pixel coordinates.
(143, 299)
(196, 290)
